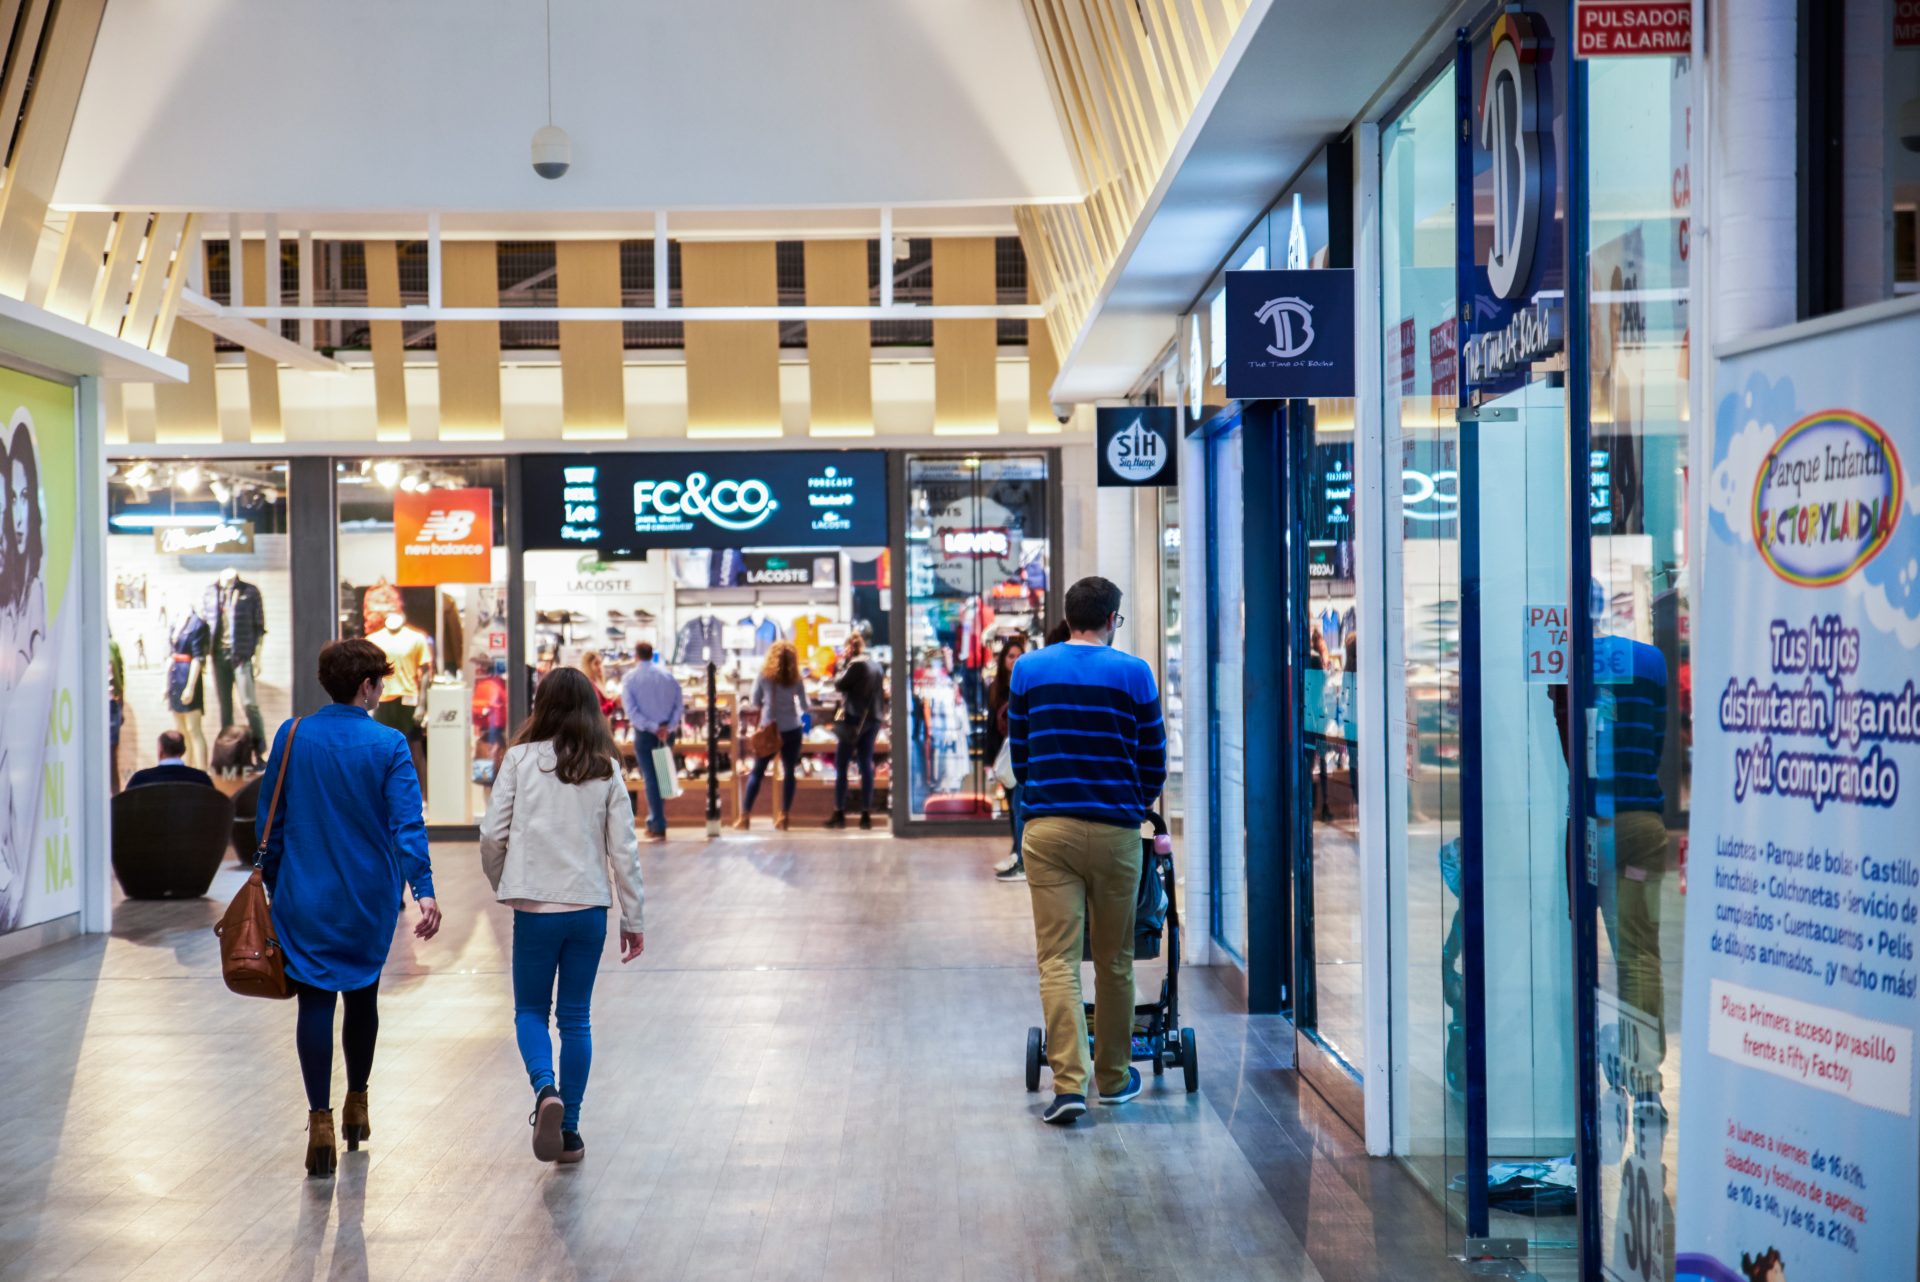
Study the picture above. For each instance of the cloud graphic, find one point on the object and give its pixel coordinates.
(1889, 585)
(1745, 427)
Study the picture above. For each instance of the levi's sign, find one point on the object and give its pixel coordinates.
(622, 503)
(1289, 334)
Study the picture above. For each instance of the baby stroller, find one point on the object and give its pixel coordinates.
(1157, 1035)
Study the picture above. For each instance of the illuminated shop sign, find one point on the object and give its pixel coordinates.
(232, 538)
(620, 504)
(982, 543)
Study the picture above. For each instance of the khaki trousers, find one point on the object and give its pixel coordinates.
(1085, 878)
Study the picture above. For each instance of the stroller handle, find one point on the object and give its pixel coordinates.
(1159, 823)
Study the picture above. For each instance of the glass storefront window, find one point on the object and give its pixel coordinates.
(726, 607)
(1418, 209)
(1636, 478)
(1171, 653)
(1878, 62)
(978, 543)
(1226, 688)
(198, 613)
(421, 554)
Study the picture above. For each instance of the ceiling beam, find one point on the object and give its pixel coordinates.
(899, 311)
(228, 324)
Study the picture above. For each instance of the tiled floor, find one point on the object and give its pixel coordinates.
(814, 1072)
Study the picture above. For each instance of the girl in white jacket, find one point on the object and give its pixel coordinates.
(557, 842)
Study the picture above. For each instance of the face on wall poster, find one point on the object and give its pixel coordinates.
(1797, 1127)
(39, 647)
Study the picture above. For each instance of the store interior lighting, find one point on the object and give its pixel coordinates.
(187, 479)
(387, 472)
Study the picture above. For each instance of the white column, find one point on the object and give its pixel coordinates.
(94, 841)
(1752, 147)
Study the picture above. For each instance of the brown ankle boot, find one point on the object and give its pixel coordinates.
(354, 1126)
(321, 1156)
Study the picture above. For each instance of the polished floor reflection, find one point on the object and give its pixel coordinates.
(814, 1072)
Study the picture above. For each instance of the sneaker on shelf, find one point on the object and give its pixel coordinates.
(1127, 1092)
(1013, 857)
(1016, 873)
(1065, 1110)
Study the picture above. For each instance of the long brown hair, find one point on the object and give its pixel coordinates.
(783, 664)
(566, 713)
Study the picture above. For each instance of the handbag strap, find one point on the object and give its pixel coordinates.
(279, 782)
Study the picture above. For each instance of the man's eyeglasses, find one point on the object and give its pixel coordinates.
(1118, 619)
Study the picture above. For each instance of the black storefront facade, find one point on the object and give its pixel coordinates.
(485, 570)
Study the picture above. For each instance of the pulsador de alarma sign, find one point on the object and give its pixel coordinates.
(1289, 334)
(1137, 445)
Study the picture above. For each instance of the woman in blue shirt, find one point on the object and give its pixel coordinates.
(349, 836)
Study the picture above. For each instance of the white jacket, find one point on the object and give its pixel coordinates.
(557, 842)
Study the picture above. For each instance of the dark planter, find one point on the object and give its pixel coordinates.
(246, 805)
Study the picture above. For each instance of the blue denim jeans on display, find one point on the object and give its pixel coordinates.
(566, 946)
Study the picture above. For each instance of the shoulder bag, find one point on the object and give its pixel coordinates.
(251, 961)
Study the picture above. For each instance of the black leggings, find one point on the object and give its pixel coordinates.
(313, 1037)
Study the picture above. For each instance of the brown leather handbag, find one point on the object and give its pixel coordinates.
(250, 958)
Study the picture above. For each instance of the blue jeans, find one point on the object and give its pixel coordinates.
(644, 742)
(1017, 816)
(790, 758)
(567, 945)
(857, 748)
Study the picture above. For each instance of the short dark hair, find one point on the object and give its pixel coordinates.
(1091, 602)
(172, 744)
(347, 665)
(644, 652)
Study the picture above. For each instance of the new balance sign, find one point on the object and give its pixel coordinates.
(1289, 334)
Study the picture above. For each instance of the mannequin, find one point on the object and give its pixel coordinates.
(186, 693)
(237, 622)
(402, 704)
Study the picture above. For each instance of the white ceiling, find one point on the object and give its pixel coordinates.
(429, 105)
(1299, 73)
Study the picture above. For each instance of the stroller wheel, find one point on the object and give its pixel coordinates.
(1034, 1056)
(1189, 1060)
(1159, 1057)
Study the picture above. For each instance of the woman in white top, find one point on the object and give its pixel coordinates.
(557, 842)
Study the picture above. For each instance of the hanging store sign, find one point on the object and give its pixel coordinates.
(1801, 986)
(994, 544)
(772, 569)
(229, 538)
(443, 536)
(1289, 334)
(1632, 28)
(1137, 445)
(623, 504)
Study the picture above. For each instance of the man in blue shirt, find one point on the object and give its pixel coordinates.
(652, 698)
(1089, 749)
(172, 766)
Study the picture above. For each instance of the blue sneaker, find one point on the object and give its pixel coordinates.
(1133, 1087)
(1065, 1110)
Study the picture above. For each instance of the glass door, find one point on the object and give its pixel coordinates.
(978, 542)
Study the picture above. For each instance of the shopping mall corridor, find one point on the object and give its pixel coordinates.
(813, 1072)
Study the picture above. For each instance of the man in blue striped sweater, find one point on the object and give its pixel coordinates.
(1090, 751)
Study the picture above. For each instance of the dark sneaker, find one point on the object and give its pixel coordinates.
(866, 821)
(838, 819)
(1127, 1092)
(1065, 1110)
(548, 1112)
(1018, 872)
(572, 1148)
(1013, 857)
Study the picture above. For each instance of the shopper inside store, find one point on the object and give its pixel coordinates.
(1031, 639)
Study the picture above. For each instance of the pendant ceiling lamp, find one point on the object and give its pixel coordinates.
(552, 150)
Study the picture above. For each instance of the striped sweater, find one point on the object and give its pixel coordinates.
(1087, 738)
